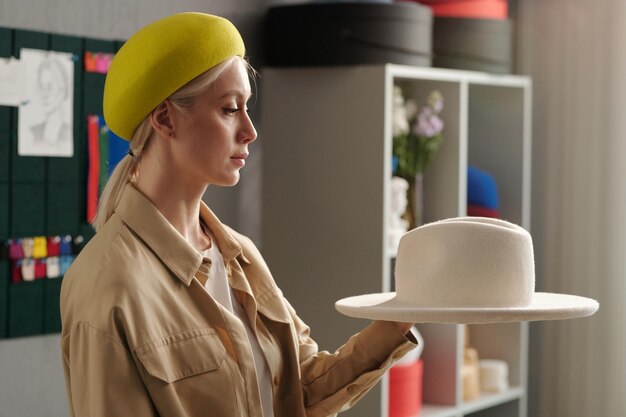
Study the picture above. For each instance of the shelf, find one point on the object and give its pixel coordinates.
(485, 401)
(327, 206)
(430, 410)
(490, 400)
(454, 75)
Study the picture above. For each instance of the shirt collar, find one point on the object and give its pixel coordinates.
(228, 245)
(156, 231)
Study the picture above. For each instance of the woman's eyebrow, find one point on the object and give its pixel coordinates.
(239, 93)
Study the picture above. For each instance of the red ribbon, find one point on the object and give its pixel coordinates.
(93, 174)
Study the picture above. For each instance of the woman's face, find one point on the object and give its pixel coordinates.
(213, 135)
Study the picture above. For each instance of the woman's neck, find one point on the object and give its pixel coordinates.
(178, 202)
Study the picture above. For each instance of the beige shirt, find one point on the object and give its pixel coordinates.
(142, 337)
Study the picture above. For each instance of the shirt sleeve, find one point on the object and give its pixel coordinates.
(101, 376)
(334, 382)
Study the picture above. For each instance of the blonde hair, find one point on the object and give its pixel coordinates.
(127, 170)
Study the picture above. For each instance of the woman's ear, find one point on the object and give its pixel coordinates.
(162, 121)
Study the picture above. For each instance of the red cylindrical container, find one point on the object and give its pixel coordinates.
(405, 389)
(477, 9)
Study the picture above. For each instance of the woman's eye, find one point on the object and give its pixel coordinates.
(231, 110)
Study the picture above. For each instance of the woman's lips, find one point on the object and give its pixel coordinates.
(239, 159)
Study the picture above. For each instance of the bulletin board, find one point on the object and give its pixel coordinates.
(44, 198)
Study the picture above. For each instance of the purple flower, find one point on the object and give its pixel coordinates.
(428, 123)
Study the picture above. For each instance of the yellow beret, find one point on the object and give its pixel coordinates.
(161, 58)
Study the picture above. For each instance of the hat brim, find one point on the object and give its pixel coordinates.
(545, 306)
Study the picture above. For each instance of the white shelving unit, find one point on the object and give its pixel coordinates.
(326, 136)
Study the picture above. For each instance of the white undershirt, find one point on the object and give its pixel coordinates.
(217, 285)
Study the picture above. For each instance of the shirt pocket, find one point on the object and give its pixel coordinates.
(182, 355)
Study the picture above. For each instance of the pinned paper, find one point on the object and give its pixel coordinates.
(65, 262)
(45, 121)
(16, 271)
(54, 267)
(28, 245)
(12, 82)
(40, 248)
(103, 63)
(40, 268)
(28, 269)
(91, 65)
(54, 245)
(66, 245)
(97, 62)
(15, 249)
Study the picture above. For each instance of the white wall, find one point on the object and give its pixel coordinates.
(574, 51)
(31, 376)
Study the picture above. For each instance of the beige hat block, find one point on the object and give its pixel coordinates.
(466, 270)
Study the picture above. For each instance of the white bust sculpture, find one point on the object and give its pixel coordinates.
(397, 225)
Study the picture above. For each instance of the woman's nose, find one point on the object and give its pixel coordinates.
(248, 132)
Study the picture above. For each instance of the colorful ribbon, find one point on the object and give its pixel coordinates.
(93, 173)
(104, 152)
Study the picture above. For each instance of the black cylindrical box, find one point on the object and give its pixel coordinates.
(314, 34)
(473, 44)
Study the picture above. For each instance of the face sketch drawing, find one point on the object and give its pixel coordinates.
(51, 85)
(51, 91)
(45, 118)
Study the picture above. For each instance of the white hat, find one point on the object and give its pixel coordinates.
(466, 270)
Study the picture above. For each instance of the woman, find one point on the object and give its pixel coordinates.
(167, 311)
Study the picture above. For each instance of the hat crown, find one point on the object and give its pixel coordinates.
(161, 58)
(466, 262)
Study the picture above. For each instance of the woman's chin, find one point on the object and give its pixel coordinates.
(230, 181)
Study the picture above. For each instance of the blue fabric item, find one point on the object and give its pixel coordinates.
(65, 248)
(118, 148)
(65, 262)
(482, 189)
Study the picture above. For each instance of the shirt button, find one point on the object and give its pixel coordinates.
(276, 380)
(353, 389)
